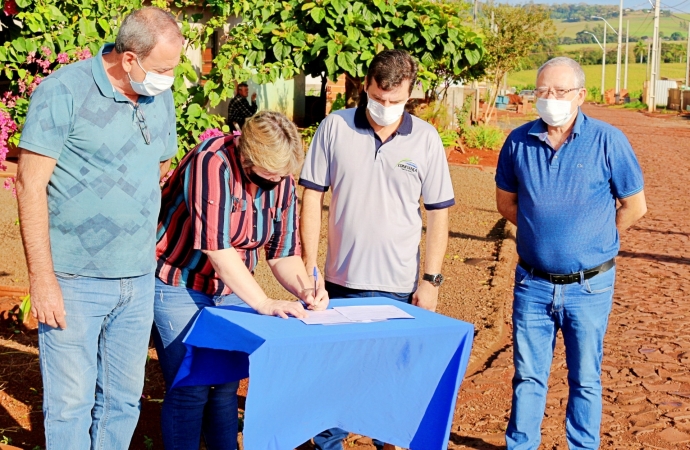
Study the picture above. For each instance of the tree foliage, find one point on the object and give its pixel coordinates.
(276, 39)
(581, 11)
(330, 37)
(42, 36)
(512, 34)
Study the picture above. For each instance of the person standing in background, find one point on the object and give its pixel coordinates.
(239, 108)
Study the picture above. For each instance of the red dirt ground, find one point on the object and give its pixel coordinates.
(646, 380)
(487, 158)
(476, 231)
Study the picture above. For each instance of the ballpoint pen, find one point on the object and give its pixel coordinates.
(316, 275)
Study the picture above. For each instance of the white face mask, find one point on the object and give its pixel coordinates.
(382, 115)
(153, 84)
(555, 112)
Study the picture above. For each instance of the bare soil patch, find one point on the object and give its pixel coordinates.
(480, 158)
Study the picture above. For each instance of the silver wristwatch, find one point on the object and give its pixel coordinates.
(434, 278)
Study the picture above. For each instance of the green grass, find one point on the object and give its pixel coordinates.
(636, 75)
(641, 24)
(573, 47)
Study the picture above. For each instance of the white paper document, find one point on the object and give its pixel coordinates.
(326, 317)
(355, 314)
(372, 313)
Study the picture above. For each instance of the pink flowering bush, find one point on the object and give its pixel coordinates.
(84, 54)
(44, 35)
(25, 77)
(7, 129)
(211, 132)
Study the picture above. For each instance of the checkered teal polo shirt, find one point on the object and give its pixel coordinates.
(103, 196)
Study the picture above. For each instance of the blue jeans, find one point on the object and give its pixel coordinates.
(581, 312)
(93, 370)
(189, 411)
(332, 439)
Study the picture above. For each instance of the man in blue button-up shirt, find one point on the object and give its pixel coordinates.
(558, 180)
(97, 135)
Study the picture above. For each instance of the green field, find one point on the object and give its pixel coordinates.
(573, 47)
(641, 24)
(636, 75)
(609, 47)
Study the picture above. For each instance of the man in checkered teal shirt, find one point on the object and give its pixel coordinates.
(97, 136)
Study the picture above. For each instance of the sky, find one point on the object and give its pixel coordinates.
(673, 5)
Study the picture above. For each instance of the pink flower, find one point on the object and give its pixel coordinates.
(84, 54)
(9, 99)
(62, 58)
(166, 177)
(10, 183)
(7, 128)
(31, 57)
(10, 7)
(46, 51)
(43, 64)
(36, 82)
(211, 132)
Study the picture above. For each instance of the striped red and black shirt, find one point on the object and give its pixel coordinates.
(207, 204)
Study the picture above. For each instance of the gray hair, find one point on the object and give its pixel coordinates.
(142, 29)
(565, 61)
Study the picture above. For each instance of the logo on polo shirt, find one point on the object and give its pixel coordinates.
(407, 165)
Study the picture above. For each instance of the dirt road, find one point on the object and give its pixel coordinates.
(645, 376)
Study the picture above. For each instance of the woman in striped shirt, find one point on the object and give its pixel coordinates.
(224, 202)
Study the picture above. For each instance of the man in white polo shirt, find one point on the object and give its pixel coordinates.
(379, 160)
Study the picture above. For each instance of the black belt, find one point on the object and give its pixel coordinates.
(557, 278)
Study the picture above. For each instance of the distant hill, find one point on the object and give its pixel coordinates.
(641, 25)
(571, 19)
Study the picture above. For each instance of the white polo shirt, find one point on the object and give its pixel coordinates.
(374, 222)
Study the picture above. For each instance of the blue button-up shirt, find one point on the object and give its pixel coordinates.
(567, 198)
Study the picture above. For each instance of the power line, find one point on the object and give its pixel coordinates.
(643, 23)
(676, 6)
(677, 9)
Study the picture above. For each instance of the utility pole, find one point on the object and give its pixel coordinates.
(651, 105)
(618, 56)
(603, 61)
(687, 61)
(627, 51)
(603, 66)
(603, 58)
(475, 11)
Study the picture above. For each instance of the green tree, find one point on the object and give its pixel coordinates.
(677, 36)
(511, 35)
(327, 38)
(41, 36)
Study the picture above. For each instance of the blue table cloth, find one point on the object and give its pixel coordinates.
(396, 381)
